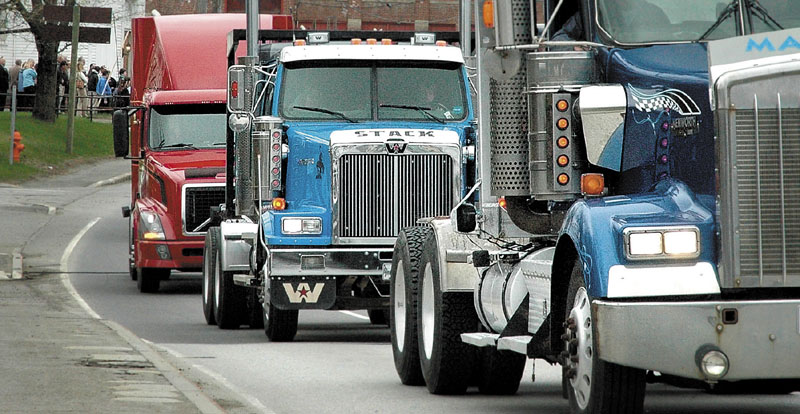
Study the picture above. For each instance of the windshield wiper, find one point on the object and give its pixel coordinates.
(326, 111)
(424, 110)
(753, 6)
(178, 145)
(730, 9)
(219, 144)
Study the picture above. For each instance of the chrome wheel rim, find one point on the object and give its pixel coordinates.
(399, 305)
(428, 306)
(580, 351)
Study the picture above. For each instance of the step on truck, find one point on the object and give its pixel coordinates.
(647, 164)
(337, 140)
(174, 133)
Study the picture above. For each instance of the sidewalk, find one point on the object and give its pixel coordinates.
(57, 358)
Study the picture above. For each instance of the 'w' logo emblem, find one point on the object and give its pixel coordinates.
(303, 292)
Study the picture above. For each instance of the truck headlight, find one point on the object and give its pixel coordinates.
(662, 242)
(301, 225)
(150, 227)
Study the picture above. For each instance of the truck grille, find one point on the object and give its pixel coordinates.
(767, 151)
(380, 193)
(197, 203)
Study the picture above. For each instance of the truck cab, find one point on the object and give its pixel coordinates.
(651, 238)
(352, 141)
(174, 134)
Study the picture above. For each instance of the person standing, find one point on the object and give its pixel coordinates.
(13, 74)
(91, 85)
(81, 81)
(63, 85)
(27, 81)
(103, 88)
(3, 83)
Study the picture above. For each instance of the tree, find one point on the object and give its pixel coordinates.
(46, 90)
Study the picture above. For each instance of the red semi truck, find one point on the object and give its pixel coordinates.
(175, 135)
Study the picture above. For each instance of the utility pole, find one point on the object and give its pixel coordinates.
(73, 70)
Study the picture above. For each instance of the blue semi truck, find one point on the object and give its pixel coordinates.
(646, 155)
(336, 142)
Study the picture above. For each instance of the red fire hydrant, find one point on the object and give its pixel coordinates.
(18, 145)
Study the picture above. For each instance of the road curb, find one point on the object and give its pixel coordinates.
(30, 208)
(113, 180)
(203, 403)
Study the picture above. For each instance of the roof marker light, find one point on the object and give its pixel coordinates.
(372, 41)
(355, 41)
(441, 43)
(386, 41)
(300, 42)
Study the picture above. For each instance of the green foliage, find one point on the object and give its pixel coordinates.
(46, 143)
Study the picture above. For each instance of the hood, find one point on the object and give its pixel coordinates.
(669, 129)
(180, 160)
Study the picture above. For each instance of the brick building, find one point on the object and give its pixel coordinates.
(434, 15)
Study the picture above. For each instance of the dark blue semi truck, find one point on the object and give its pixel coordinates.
(634, 217)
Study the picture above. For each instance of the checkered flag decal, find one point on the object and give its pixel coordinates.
(673, 99)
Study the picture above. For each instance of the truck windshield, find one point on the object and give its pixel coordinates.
(641, 21)
(361, 91)
(187, 126)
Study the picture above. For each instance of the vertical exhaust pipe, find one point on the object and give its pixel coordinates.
(245, 157)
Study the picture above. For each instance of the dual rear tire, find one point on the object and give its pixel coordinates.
(427, 324)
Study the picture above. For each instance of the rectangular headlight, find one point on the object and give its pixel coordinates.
(661, 242)
(301, 225)
(681, 242)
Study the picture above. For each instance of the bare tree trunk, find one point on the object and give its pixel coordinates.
(46, 89)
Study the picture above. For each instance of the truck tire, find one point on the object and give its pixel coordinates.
(593, 385)
(403, 290)
(148, 279)
(379, 316)
(279, 325)
(500, 372)
(229, 300)
(131, 250)
(209, 264)
(255, 312)
(447, 363)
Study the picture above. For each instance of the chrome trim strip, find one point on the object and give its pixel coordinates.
(758, 194)
(783, 189)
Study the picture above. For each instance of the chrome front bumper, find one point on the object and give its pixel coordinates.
(329, 262)
(761, 342)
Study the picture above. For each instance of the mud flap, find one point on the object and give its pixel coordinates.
(306, 292)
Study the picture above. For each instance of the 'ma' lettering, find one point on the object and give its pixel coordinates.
(765, 44)
(303, 292)
(789, 42)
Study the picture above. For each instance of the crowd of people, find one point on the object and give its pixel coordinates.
(95, 87)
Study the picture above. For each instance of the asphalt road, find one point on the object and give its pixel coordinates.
(338, 362)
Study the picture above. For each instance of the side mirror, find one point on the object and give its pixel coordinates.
(119, 122)
(466, 221)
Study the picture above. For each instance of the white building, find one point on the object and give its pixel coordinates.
(22, 46)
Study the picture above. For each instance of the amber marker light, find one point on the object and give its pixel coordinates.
(441, 43)
(300, 42)
(562, 123)
(488, 14)
(502, 202)
(372, 41)
(355, 41)
(562, 105)
(386, 41)
(562, 160)
(279, 203)
(562, 142)
(592, 184)
(563, 179)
